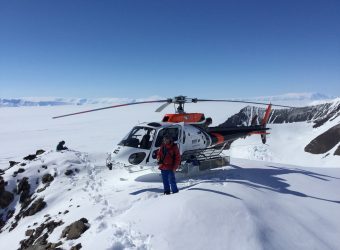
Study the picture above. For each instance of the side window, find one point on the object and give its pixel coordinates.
(173, 132)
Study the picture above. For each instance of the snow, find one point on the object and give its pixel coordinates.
(250, 204)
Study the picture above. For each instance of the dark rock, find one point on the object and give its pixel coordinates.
(39, 152)
(10, 213)
(2, 184)
(337, 151)
(324, 142)
(75, 230)
(47, 178)
(42, 240)
(36, 206)
(13, 226)
(66, 211)
(25, 203)
(30, 157)
(76, 247)
(23, 164)
(29, 232)
(41, 189)
(21, 170)
(24, 189)
(13, 163)
(2, 171)
(23, 185)
(36, 241)
(6, 198)
(55, 245)
(51, 225)
(2, 223)
(44, 166)
(69, 172)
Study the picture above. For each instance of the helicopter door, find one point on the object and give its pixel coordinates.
(174, 132)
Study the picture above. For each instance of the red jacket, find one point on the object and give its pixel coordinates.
(170, 155)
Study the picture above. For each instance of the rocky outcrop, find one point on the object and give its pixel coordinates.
(24, 190)
(71, 172)
(319, 114)
(36, 206)
(324, 142)
(39, 152)
(13, 163)
(19, 171)
(30, 157)
(6, 197)
(37, 240)
(75, 230)
(47, 178)
(76, 247)
(2, 184)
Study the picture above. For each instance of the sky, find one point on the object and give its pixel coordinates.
(135, 49)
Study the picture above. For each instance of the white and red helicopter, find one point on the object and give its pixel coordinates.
(200, 146)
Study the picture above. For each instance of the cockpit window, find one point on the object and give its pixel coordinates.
(139, 137)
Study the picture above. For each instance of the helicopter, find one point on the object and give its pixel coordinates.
(201, 146)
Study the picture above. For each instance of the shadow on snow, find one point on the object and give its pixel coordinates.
(269, 178)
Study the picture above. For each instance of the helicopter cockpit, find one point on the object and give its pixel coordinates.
(139, 137)
(142, 137)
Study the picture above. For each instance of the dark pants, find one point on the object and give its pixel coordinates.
(169, 179)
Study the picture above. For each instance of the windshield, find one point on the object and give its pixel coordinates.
(139, 137)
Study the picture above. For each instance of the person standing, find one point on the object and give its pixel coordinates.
(169, 159)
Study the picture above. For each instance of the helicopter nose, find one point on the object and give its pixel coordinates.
(129, 155)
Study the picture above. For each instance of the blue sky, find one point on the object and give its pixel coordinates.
(143, 48)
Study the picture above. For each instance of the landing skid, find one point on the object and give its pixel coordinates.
(194, 161)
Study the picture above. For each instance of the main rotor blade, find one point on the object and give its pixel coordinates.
(114, 106)
(240, 101)
(163, 106)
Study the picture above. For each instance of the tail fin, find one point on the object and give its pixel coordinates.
(264, 122)
(266, 115)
